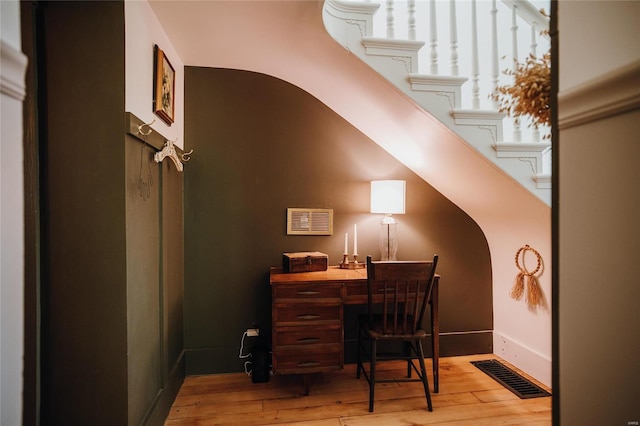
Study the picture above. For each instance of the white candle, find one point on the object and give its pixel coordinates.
(355, 240)
(346, 243)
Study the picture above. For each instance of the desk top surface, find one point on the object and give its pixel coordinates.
(333, 273)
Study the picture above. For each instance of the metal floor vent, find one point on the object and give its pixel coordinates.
(511, 380)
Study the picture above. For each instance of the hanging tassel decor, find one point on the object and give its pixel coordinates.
(527, 279)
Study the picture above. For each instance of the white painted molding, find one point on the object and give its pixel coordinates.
(357, 7)
(531, 152)
(527, 11)
(435, 83)
(395, 49)
(359, 13)
(608, 95)
(12, 71)
(477, 117)
(542, 180)
(520, 149)
(378, 46)
(526, 359)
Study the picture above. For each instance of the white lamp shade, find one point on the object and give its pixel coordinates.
(387, 196)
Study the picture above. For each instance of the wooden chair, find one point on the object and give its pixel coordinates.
(398, 297)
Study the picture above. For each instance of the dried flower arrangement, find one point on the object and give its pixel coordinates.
(530, 92)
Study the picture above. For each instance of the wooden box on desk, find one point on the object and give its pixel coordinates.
(306, 261)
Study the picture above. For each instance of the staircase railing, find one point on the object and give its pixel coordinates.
(466, 45)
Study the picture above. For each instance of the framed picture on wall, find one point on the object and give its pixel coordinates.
(164, 79)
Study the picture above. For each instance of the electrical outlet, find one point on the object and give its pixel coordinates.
(253, 332)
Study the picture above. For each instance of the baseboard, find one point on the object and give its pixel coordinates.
(451, 344)
(167, 395)
(213, 361)
(526, 359)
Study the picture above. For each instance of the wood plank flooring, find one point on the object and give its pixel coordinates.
(467, 397)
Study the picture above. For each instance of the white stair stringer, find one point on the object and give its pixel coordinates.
(350, 23)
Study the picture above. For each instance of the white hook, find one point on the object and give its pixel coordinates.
(187, 156)
(148, 125)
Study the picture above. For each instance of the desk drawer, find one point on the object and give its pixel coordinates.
(301, 362)
(301, 313)
(306, 336)
(358, 294)
(307, 291)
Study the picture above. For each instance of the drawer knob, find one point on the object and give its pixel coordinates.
(308, 316)
(308, 340)
(308, 364)
(308, 293)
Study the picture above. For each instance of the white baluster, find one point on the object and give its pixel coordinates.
(390, 20)
(535, 135)
(411, 6)
(453, 35)
(534, 41)
(434, 37)
(475, 89)
(517, 134)
(495, 72)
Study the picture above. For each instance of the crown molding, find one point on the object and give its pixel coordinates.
(611, 94)
(12, 72)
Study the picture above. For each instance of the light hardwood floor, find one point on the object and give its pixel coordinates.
(467, 397)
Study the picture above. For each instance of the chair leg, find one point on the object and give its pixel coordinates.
(408, 349)
(358, 355)
(425, 379)
(372, 374)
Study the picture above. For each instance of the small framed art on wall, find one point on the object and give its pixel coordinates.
(164, 79)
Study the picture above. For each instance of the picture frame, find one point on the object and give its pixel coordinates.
(164, 82)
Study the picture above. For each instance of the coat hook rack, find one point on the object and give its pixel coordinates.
(186, 156)
(169, 150)
(148, 125)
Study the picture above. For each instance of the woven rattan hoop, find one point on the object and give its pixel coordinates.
(524, 249)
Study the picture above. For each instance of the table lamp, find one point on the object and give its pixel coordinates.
(388, 198)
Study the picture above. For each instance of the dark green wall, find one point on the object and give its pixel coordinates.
(84, 320)
(155, 279)
(262, 145)
(112, 251)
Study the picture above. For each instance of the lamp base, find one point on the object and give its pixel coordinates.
(388, 240)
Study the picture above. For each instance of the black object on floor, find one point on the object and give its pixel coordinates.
(511, 380)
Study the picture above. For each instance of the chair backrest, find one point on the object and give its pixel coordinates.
(399, 291)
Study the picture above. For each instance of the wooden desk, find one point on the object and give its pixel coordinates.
(308, 319)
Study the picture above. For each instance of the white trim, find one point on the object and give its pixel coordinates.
(543, 180)
(526, 359)
(527, 11)
(14, 65)
(611, 94)
(351, 7)
(380, 46)
(520, 149)
(478, 117)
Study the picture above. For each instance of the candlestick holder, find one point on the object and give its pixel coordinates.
(345, 264)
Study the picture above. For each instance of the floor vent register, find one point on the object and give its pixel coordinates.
(511, 380)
